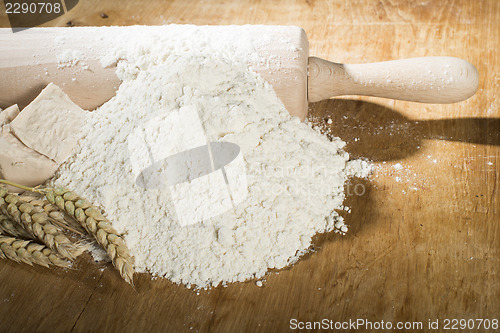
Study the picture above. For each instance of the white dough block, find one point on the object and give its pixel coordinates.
(21, 164)
(7, 115)
(51, 124)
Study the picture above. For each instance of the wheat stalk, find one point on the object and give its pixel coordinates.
(91, 218)
(97, 225)
(30, 253)
(38, 225)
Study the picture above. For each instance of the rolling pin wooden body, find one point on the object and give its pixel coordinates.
(31, 59)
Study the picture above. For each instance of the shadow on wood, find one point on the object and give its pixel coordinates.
(378, 133)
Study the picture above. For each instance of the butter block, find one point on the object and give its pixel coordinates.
(51, 124)
(7, 115)
(21, 164)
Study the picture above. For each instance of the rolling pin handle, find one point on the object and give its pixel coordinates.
(424, 80)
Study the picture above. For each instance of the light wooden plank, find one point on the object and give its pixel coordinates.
(424, 240)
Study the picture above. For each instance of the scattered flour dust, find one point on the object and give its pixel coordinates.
(295, 175)
(69, 58)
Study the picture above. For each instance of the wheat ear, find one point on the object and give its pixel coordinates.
(9, 227)
(56, 216)
(30, 253)
(38, 225)
(97, 225)
(91, 218)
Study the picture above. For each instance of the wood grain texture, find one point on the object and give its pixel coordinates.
(425, 238)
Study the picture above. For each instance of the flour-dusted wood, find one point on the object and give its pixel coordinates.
(32, 59)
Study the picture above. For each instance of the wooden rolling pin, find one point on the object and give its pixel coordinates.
(30, 59)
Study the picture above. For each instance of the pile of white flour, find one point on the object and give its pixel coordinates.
(295, 175)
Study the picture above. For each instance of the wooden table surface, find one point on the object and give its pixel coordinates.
(424, 241)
